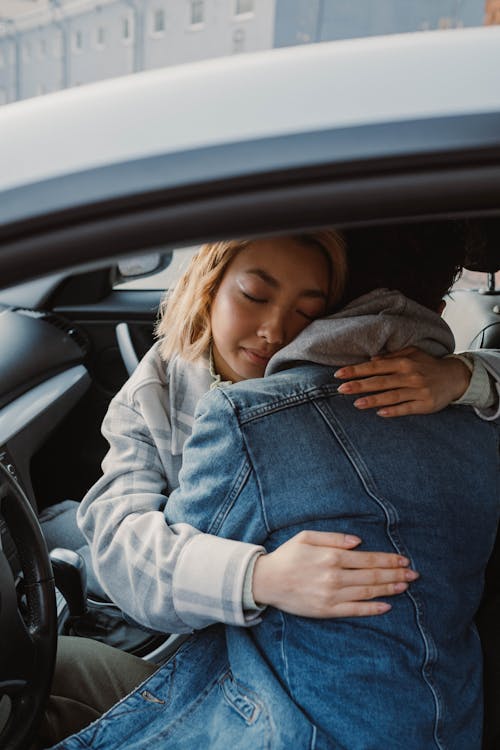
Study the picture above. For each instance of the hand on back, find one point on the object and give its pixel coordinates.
(405, 382)
(319, 574)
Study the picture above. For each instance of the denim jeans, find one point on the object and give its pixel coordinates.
(195, 701)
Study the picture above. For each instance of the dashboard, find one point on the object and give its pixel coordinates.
(42, 376)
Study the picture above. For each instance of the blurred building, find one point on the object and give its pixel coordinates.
(63, 43)
(46, 45)
(303, 21)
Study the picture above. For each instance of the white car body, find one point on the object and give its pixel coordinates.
(191, 110)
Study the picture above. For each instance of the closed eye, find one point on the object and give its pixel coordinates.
(253, 299)
(306, 316)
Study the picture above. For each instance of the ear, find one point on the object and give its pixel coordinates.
(441, 307)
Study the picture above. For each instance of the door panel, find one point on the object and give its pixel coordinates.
(69, 462)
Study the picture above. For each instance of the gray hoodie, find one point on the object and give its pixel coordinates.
(381, 321)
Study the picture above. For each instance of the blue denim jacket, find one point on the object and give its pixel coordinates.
(273, 456)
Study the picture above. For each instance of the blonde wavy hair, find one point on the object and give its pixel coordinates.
(184, 317)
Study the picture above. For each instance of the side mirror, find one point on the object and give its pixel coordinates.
(143, 265)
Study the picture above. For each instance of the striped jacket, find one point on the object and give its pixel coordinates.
(168, 578)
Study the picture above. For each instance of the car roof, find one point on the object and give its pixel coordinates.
(196, 109)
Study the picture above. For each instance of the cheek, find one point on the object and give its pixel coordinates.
(217, 319)
(223, 319)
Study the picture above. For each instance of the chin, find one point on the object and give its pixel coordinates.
(250, 373)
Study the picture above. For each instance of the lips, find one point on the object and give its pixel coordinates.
(257, 357)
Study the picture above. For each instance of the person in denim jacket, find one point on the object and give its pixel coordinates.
(270, 457)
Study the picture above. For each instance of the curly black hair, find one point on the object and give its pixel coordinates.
(420, 260)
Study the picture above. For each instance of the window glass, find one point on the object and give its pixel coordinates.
(57, 45)
(26, 52)
(78, 40)
(238, 40)
(197, 12)
(243, 7)
(100, 36)
(475, 280)
(159, 21)
(126, 28)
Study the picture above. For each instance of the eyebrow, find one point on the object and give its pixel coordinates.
(268, 279)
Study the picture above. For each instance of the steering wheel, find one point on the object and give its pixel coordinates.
(28, 624)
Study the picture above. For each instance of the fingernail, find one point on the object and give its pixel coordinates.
(383, 413)
(339, 373)
(400, 587)
(345, 388)
(411, 575)
(403, 561)
(383, 607)
(360, 403)
(350, 539)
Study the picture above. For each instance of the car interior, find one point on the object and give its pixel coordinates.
(68, 342)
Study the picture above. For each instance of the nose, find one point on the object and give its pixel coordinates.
(272, 327)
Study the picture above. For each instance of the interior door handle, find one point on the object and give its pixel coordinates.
(126, 347)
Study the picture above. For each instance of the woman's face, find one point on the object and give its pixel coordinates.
(269, 293)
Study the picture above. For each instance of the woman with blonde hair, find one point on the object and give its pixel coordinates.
(184, 322)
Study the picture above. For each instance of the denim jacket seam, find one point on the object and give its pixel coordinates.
(283, 653)
(262, 505)
(249, 414)
(371, 489)
(242, 477)
(231, 497)
(258, 484)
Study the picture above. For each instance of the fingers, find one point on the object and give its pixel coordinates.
(403, 410)
(341, 556)
(357, 560)
(384, 582)
(363, 593)
(412, 385)
(365, 369)
(327, 539)
(406, 361)
(397, 402)
(358, 601)
(315, 572)
(416, 400)
(384, 383)
(360, 609)
(400, 403)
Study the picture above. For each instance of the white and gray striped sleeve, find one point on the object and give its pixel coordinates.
(136, 553)
(483, 392)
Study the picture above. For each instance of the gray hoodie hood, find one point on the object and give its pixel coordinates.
(382, 321)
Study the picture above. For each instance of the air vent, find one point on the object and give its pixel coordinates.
(63, 324)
